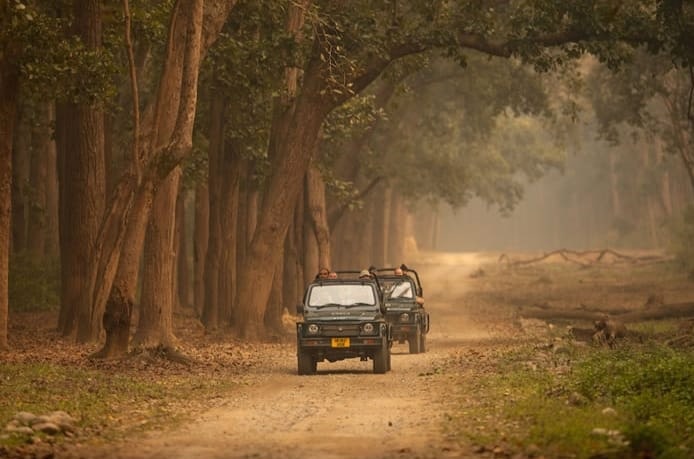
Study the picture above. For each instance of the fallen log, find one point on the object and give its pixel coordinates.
(666, 311)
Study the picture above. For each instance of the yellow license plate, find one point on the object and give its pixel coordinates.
(339, 342)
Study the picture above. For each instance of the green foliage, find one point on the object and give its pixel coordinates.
(529, 398)
(652, 385)
(452, 137)
(34, 285)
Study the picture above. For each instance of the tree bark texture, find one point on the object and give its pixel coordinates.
(315, 194)
(210, 311)
(9, 87)
(82, 190)
(169, 134)
(200, 240)
(396, 233)
(155, 322)
(40, 166)
(284, 187)
(230, 180)
(21, 165)
(181, 243)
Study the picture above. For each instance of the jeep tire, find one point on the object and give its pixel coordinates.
(307, 365)
(381, 357)
(415, 341)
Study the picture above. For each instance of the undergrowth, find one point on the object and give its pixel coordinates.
(34, 285)
(635, 402)
(107, 405)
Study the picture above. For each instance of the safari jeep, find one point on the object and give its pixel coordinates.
(341, 319)
(404, 307)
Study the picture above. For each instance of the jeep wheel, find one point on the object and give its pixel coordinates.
(415, 342)
(307, 365)
(381, 360)
(422, 342)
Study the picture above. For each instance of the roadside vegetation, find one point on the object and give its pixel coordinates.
(548, 393)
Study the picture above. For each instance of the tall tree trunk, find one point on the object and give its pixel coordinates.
(9, 87)
(41, 145)
(396, 233)
(315, 193)
(382, 226)
(155, 323)
(210, 312)
(200, 240)
(230, 176)
(52, 190)
(311, 252)
(275, 306)
(293, 266)
(82, 193)
(120, 304)
(284, 187)
(21, 165)
(181, 244)
(167, 141)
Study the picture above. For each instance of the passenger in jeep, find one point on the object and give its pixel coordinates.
(405, 287)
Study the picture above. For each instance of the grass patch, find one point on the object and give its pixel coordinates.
(108, 405)
(634, 402)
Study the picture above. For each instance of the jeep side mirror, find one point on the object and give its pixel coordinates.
(300, 308)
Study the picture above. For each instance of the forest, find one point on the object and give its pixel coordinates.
(212, 155)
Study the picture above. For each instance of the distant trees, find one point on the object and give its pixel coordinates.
(306, 110)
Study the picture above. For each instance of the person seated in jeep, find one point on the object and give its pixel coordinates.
(404, 289)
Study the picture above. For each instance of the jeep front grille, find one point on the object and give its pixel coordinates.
(340, 329)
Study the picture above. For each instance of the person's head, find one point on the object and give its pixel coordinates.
(364, 274)
(332, 275)
(323, 273)
(398, 272)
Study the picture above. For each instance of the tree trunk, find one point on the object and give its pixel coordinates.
(293, 267)
(181, 241)
(21, 165)
(52, 223)
(155, 323)
(396, 233)
(9, 87)
(284, 187)
(315, 194)
(41, 145)
(382, 224)
(167, 141)
(275, 306)
(311, 252)
(200, 240)
(120, 304)
(210, 311)
(230, 178)
(82, 189)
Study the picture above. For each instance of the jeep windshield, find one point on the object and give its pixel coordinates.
(398, 289)
(341, 296)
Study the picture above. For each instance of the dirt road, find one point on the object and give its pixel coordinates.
(345, 411)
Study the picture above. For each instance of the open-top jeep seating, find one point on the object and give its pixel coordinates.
(342, 318)
(402, 296)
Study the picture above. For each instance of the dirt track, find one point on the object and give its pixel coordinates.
(345, 411)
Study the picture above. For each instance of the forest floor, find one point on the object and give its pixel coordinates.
(240, 400)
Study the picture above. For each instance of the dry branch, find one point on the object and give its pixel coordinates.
(584, 258)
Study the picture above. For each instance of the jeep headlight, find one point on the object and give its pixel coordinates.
(368, 328)
(312, 329)
(404, 317)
